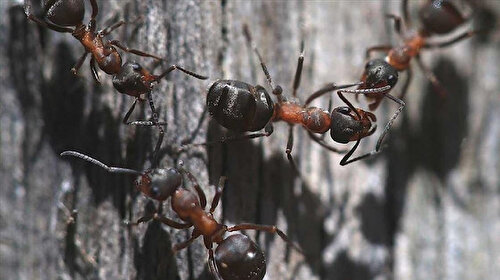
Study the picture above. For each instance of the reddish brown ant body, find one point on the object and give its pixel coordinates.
(437, 17)
(130, 78)
(66, 16)
(236, 256)
(242, 107)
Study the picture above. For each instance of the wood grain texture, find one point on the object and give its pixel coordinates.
(426, 208)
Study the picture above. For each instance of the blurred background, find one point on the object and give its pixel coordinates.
(427, 207)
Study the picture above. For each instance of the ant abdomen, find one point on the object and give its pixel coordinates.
(440, 17)
(65, 12)
(238, 257)
(239, 106)
(159, 184)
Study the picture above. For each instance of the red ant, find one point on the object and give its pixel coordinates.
(236, 256)
(242, 107)
(66, 16)
(136, 81)
(129, 78)
(437, 17)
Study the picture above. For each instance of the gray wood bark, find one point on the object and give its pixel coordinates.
(426, 208)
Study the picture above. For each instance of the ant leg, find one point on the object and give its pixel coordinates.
(129, 112)
(177, 67)
(268, 130)
(270, 229)
(218, 193)
(139, 221)
(298, 72)
(197, 129)
(397, 23)
(409, 76)
(288, 151)
(100, 164)
(391, 121)
(326, 89)
(349, 104)
(79, 63)
(431, 77)
(345, 160)
(201, 194)
(95, 11)
(93, 69)
(138, 122)
(179, 246)
(277, 90)
(111, 28)
(381, 48)
(213, 266)
(45, 23)
(107, 30)
(460, 37)
(134, 51)
(160, 128)
(321, 142)
(406, 13)
(171, 223)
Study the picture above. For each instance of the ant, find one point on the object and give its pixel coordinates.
(437, 17)
(130, 78)
(236, 256)
(136, 81)
(66, 16)
(241, 107)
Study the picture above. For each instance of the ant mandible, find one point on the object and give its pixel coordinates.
(66, 16)
(437, 17)
(242, 107)
(236, 256)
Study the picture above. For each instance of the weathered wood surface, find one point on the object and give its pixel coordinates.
(427, 208)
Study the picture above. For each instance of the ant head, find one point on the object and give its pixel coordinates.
(159, 184)
(379, 73)
(65, 12)
(130, 79)
(440, 17)
(238, 257)
(346, 125)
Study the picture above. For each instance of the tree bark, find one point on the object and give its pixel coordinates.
(425, 208)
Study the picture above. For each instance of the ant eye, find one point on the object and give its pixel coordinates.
(136, 67)
(154, 192)
(392, 80)
(369, 64)
(344, 110)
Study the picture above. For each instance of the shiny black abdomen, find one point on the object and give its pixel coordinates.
(239, 106)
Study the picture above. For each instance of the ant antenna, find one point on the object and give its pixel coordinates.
(277, 90)
(100, 164)
(174, 67)
(367, 90)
